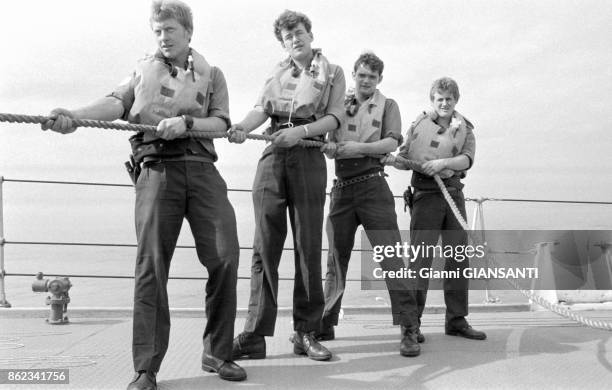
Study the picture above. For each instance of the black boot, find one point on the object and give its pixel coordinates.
(420, 336)
(409, 346)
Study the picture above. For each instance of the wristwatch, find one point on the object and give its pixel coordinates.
(188, 119)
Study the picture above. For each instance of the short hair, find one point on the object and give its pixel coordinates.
(289, 20)
(172, 9)
(445, 84)
(370, 60)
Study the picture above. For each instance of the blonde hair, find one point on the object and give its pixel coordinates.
(172, 9)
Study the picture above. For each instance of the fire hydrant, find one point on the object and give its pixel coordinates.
(58, 300)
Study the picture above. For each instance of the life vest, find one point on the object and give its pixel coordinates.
(366, 124)
(159, 95)
(430, 141)
(298, 96)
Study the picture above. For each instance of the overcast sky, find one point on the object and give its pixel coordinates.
(533, 76)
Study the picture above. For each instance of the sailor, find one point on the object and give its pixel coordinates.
(303, 98)
(440, 142)
(177, 90)
(361, 196)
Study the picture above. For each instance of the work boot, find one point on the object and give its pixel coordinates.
(143, 380)
(467, 331)
(249, 345)
(307, 344)
(226, 369)
(409, 346)
(420, 336)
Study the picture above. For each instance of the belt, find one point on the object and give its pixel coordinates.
(434, 191)
(184, 157)
(358, 179)
(278, 122)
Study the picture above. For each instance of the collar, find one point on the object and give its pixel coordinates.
(171, 68)
(456, 117)
(352, 105)
(373, 99)
(289, 63)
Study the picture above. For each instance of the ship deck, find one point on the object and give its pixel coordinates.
(524, 350)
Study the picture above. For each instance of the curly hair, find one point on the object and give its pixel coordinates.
(445, 84)
(172, 9)
(370, 60)
(289, 20)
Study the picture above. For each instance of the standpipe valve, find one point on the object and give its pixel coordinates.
(58, 300)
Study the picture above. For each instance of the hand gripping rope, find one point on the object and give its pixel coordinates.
(555, 308)
(15, 118)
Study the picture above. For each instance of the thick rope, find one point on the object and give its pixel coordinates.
(555, 308)
(39, 119)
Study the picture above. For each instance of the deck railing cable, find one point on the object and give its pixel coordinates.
(82, 183)
(3, 241)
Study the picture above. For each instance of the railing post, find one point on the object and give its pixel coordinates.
(479, 223)
(3, 301)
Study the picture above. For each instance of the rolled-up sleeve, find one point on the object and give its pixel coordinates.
(219, 99)
(259, 103)
(469, 146)
(403, 151)
(392, 122)
(335, 103)
(125, 93)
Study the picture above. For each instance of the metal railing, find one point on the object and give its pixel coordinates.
(477, 221)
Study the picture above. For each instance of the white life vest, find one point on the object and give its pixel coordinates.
(430, 141)
(366, 124)
(158, 95)
(298, 97)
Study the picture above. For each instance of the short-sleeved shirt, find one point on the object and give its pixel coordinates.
(392, 122)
